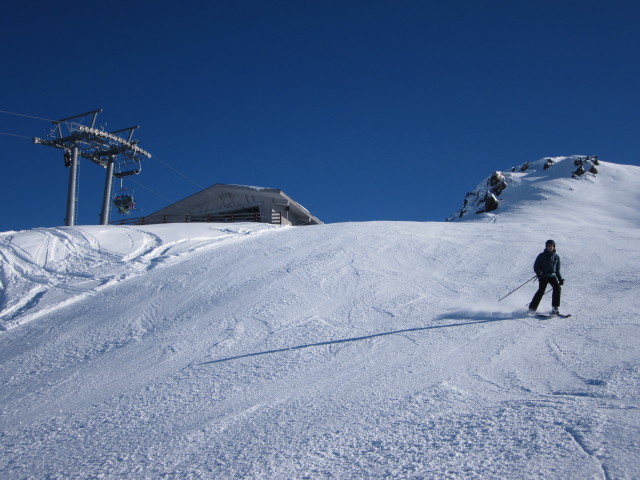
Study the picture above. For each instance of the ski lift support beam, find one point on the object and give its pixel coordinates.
(96, 145)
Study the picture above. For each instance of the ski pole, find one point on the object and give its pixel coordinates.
(535, 276)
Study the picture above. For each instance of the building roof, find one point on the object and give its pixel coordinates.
(222, 200)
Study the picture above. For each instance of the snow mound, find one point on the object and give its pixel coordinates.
(576, 188)
(45, 269)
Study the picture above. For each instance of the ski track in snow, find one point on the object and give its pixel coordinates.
(365, 350)
(54, 263)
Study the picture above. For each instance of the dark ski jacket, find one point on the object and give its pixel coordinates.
(547, 265)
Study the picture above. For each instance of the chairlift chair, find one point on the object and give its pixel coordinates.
(124, 200)
(128, 166)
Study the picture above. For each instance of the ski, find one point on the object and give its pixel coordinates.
(546, 316)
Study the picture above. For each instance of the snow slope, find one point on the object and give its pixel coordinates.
(356, 350)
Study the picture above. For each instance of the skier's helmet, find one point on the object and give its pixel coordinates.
(550, 242)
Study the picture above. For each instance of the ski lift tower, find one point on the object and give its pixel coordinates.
(103, 148)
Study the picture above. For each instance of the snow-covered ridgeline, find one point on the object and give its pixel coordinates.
(554, 185)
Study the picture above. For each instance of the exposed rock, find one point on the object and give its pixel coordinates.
(497, 183)
(490, 202)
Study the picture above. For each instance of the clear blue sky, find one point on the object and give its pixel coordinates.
(359, 110)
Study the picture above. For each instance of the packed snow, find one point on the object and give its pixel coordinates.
(354, 350)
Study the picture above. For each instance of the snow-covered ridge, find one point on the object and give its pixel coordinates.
(553, 185)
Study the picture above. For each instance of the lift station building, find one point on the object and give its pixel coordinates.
(233, 203)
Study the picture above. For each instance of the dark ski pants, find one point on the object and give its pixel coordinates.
(543, 282)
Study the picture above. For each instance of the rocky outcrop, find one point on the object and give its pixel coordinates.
(486, 197)
(491, 203)
(585, 165)
(497, 182)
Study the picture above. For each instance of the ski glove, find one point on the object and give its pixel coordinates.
(561, 281)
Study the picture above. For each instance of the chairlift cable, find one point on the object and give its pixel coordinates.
(204, 189)
(49, 120)
(186, 177)
(179, 173)
(14, 135)
(27, 116)
(169, 202)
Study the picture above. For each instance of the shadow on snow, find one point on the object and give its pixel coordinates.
(481, 317)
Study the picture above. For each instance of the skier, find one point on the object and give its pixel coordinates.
(547, 269)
